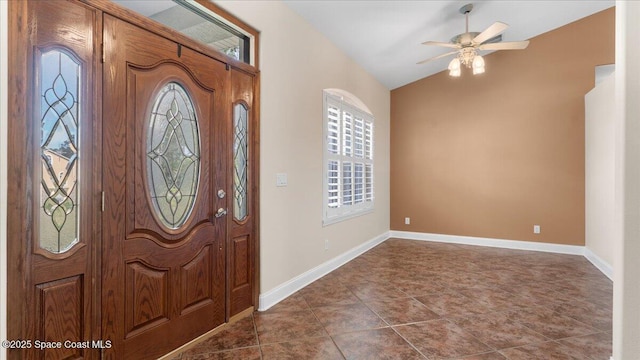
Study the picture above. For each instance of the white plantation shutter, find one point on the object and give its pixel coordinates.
(333, 177)
(358, 125)
(347, 134)
(358, 180)
(333, 129)
(347, 183)
(368, 140)
(368, 182)
(348, 156)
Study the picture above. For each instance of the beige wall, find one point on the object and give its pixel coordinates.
(296, 64)
(600, 169)
(492, 155)
(626, 292)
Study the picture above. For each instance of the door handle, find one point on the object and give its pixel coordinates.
(221, 212)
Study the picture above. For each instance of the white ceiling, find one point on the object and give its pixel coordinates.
(385, 36)
(146, 7)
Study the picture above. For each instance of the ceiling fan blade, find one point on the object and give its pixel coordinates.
(495, 29)
(509, 45)
(437, 57)
(438, 43)
(494, 39)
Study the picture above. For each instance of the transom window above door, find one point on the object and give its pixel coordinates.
(348, 157)
(197, 21)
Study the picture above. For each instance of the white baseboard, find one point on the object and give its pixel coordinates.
(280, 292)
(499, 243)
(600, 264)
(597, 261)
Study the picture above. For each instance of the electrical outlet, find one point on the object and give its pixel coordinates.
(536, 229)
(407, 221)
(326, 244)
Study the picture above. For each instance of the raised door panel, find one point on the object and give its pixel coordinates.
(146, 294)
(196, 285)
(60, 315)
(240, 275)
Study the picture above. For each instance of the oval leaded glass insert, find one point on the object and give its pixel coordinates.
(173, 155)
(59, 102)
(240, 161)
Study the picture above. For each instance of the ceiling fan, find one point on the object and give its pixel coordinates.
(468, 45)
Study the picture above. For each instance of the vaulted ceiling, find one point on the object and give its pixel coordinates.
(385, 36)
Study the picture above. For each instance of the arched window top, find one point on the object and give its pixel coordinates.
(349, 98)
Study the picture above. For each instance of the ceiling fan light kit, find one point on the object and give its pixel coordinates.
(478, 65)
(454, 67)
(469, 44)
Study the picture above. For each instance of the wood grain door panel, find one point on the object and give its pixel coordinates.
(163, 285)
(242, 239)
(60, 315)
(53, 67)
(143, 85)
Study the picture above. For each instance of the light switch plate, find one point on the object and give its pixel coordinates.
(281, 179)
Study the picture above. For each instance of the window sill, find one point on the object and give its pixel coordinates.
(341, 218)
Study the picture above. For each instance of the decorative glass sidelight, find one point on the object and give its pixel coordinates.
(240, 161)
(173, 155)
(59, 103)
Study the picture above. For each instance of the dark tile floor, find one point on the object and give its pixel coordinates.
(419, 300)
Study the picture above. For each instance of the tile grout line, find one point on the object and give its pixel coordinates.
(467, 332)
(325, 328)
(408, 342)
(255, 332)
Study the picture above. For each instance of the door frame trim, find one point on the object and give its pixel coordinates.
(4, 119)
(17, 259)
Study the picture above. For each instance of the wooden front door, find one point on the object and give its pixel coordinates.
(164, 180)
